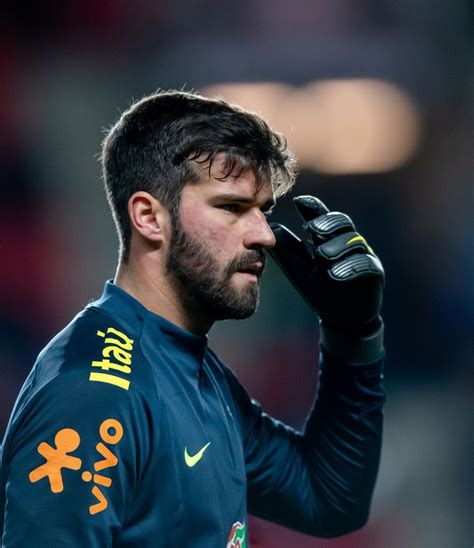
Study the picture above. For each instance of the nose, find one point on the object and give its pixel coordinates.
(259, 234)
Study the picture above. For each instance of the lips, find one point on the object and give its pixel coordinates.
(255, 269)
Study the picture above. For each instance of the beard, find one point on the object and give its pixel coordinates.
(206, 286)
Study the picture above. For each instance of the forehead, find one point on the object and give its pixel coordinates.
(214, 182)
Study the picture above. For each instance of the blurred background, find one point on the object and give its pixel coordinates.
(376, 99)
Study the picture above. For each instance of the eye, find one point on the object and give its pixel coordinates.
(232, 208)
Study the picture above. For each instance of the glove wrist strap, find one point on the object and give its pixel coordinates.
(353, 349)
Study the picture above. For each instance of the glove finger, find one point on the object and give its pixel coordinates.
(309, 207)
(291, 255)
(357, 266)
(329, 225)
(289, 252)
(359, 280)
(343, 245)
(319, 222)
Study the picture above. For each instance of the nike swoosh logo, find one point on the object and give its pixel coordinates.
(192, 460)
(360, 239)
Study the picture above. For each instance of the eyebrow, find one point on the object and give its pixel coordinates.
(269, 204)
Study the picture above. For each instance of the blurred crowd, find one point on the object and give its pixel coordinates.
(69, 68)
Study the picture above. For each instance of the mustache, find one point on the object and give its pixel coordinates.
(255, 256)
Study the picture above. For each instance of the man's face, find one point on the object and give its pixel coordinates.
(217, 248)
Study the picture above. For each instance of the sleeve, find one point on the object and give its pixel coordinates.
(72, 464)
(319, 481)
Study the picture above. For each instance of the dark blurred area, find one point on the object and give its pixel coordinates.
(376, 99)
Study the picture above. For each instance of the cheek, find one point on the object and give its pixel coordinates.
(214, 236)
(211, 230)
(217, 244)
(210, 236)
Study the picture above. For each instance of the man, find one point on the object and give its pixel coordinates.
(130, 431)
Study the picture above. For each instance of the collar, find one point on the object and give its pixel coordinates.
(151, 329)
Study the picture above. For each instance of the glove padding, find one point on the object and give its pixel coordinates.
(337, 272)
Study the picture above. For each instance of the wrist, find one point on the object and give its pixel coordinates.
(357, 348)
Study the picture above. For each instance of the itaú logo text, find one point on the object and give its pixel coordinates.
(116, 357)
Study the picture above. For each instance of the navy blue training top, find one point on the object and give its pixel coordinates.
(129, 431)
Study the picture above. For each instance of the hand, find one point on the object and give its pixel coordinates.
(337, 272)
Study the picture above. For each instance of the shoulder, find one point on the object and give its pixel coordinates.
(93, 350)
(91, 372)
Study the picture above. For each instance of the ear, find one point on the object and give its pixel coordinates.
(148, 217)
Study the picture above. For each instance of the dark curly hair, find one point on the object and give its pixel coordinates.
(157, 142)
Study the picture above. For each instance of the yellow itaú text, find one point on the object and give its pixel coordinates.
(116, 356)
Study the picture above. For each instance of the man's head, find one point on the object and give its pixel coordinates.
(215, 169)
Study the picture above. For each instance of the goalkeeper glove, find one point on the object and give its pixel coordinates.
(338, 275)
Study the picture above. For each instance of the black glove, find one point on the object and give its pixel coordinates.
(337, 272)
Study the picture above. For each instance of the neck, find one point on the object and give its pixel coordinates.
(158, 293)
